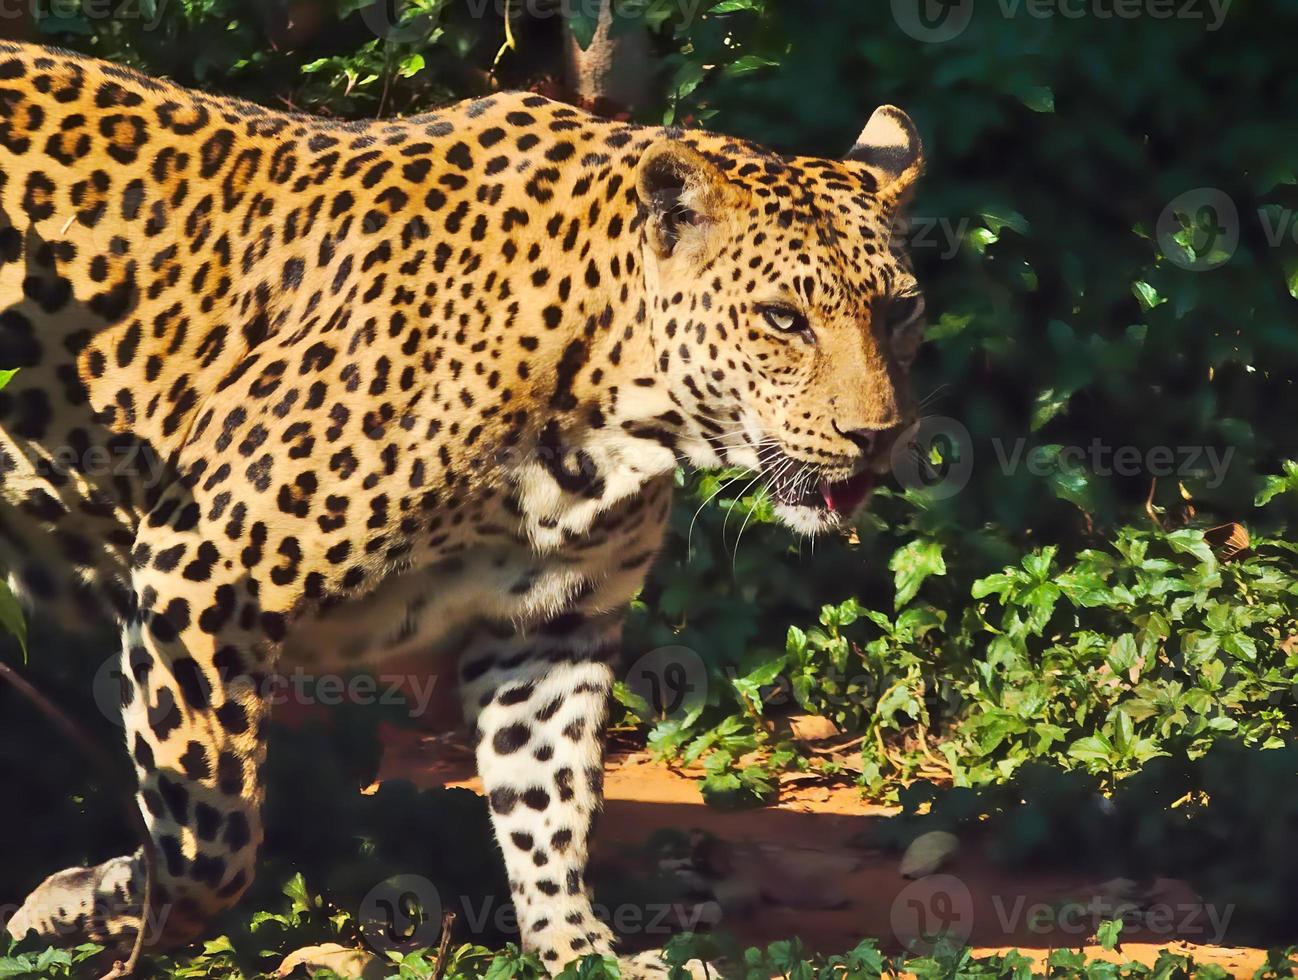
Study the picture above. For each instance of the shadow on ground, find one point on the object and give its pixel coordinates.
(1198, 851)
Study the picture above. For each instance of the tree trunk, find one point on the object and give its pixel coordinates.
(614, 75)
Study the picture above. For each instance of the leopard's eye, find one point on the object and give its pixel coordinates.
(904, 310)
(785, 319)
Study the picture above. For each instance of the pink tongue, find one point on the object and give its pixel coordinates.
(847, 496)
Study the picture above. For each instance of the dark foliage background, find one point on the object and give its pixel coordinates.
(1125, 603)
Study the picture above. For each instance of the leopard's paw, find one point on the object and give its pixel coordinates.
(98, 904)
(650, 965)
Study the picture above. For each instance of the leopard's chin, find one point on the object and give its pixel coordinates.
(822, 506)
(808, 520)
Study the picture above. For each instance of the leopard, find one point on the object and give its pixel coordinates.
(290, 391)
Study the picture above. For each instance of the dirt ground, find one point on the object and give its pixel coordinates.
(796, 868)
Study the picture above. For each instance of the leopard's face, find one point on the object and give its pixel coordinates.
(787, 316)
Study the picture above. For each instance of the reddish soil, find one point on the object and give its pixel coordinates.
(794, 869)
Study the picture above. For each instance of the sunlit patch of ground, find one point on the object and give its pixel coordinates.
(797, 868)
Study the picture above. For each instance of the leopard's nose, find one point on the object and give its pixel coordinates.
(867, 440)
(874, 441)
(870, 439)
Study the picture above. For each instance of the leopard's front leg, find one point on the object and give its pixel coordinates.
(538, 703)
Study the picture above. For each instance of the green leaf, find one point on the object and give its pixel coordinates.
(583, 23)
(1240, 645)
(737, 789)
(1123, 654)
(1190, 542)
(411, 65)
(1084, 586)
(1273, 486)
(948, 325)
(1005, 218)
(1108, 932)
(748, 63)
(980, 239)
(1074, 484)
(1147, 295)
(1001, 584)
(1049, 403)
(1291, 277)
(1038, 563)
(912, 564)
(1092, 748)
(751, 685)
(1124, 734)
(1038, 98)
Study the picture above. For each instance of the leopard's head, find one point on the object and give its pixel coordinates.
(785, 315)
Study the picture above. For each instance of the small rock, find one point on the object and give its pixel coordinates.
(812, 728)
(927, 853)
(352, 964)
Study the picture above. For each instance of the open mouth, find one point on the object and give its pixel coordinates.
(799, 486)
(846, 496)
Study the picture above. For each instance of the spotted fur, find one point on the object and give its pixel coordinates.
(293, 391)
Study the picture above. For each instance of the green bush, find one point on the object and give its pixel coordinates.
(1114, 378)
(1098, 380)
(1063, 322)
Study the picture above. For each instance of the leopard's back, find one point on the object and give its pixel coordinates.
(156, 246)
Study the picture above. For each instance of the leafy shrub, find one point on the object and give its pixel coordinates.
(1067, 331)
(780, 959)
(1063, 612)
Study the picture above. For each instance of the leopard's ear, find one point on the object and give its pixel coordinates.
(681, 193)
(890, 147)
